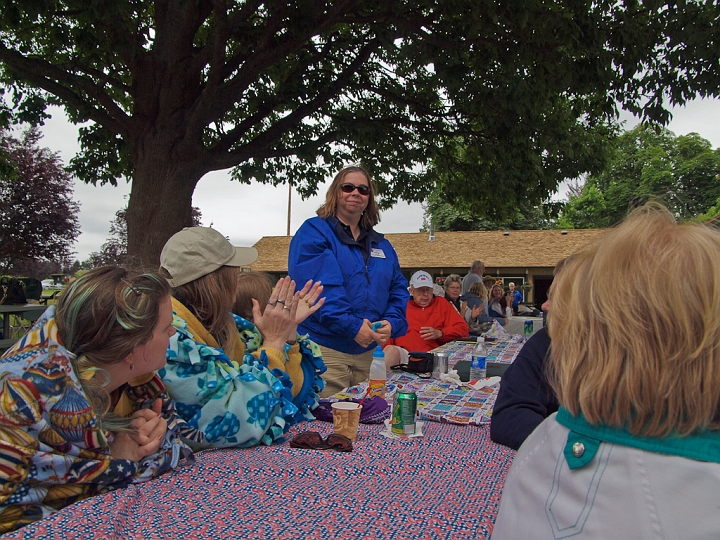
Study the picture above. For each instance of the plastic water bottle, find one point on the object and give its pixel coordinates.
(478, 364)
(378, 373)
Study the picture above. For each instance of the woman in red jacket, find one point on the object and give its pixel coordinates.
(431, 322)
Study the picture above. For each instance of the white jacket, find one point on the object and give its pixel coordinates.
(620, 487)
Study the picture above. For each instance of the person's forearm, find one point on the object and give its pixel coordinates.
(511, 426)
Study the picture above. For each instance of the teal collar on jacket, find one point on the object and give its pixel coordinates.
(584, 440)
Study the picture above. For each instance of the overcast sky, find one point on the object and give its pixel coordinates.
(246, 213)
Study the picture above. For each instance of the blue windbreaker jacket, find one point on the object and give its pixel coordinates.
(353, 290)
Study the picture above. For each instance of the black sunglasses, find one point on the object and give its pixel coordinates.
(347, 187)
(312, 440)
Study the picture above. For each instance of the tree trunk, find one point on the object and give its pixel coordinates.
(160, 202)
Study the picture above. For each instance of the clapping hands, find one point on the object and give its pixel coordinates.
(286, 309)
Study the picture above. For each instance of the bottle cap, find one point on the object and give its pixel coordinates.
(378, 351)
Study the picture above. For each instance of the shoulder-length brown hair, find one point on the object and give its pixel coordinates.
(102, 317)
(371, 215)
(257, 285)
(211, 298)
(651, 365)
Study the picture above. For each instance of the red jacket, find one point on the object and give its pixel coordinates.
(440, 315)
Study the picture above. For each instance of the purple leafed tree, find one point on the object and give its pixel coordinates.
(38, 217)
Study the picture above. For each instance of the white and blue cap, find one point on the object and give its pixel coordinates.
(421, 279)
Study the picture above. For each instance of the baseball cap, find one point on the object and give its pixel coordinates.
(421, 279)
(195, 252)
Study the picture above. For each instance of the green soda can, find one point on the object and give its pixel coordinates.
(404, 409)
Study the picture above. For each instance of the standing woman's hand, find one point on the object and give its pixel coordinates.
(383, 333)
(365, 335)
(278, 319)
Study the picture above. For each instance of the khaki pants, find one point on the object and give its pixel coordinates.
(344, 369)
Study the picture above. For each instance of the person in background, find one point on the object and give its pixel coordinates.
(633, 450)
(473, 276)
(257, 287)
(488, 281)
(525, 398)
(365, 290)
(431, 322)
(236, 398)
(517, 297)
(452, 288)
(476, 315)
(82, 409)
(498, 308)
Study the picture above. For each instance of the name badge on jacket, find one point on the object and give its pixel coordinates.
(377, 252)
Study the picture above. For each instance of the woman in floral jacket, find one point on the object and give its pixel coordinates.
(238, 383)
(81, 408)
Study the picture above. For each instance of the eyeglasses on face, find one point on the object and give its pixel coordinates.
(347, 187)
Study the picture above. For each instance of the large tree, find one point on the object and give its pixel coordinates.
(649, 163)
(490, 93)
(38, 217)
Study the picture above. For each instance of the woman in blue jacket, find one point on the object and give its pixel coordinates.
(365, 292)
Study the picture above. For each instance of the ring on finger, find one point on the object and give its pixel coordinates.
(281, 302)
(286, 307)
(308, 303)
(272, 304)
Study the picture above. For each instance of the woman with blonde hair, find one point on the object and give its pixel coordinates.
(237, 393)
(477, 316)
(634, 450)
(498, 307)
(366, 293)
(82, 410)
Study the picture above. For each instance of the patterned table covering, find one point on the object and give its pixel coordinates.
(501, 351)
(446, 402)
(444, 485)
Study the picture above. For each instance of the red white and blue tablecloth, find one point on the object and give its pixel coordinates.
(444, 485)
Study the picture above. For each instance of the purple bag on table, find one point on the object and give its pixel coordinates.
(375, 410)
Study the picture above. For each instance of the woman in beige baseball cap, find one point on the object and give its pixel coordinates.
(239, 383)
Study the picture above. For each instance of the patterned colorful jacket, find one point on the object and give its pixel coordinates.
(52, 451)
(249, 397)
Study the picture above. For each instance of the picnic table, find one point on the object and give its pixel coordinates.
(446, 484)
(28, 312)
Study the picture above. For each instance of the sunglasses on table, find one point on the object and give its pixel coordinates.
(347, 187)
(311, 440)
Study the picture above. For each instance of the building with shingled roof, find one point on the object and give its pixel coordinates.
(519, 256)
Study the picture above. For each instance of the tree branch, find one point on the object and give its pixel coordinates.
(34, 70)
(275, 131)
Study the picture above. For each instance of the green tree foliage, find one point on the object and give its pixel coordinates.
(649, 163)
(449, 217)
(38, 218)
(454, 96)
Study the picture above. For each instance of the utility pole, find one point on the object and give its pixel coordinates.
(289, 205)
